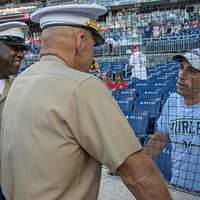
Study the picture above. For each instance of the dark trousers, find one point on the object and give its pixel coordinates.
(1, 195)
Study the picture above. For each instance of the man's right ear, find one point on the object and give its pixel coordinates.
(80, 40)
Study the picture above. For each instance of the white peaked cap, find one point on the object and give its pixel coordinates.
(15, 28)
(14, 33)
(193, 58)
(78, 15)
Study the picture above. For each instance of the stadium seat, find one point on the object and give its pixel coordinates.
(150, 93)
(127, 94)
(164, 162)
(139, 121)
(139, 84)
(152, 105)
(126, 105)
(161, 84)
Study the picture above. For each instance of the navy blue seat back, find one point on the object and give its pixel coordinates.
(152, 105)
(138, 84)
(139, 121)
(150, 93)
(164, 161)
(126, 94)
(125, 105)
(160, 84)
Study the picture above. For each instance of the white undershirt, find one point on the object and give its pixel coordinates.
(2, 84)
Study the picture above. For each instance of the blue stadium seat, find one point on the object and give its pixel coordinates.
(150, 93)
(139, 84)
(126, 105)
(127, 79)
(126, 94)
(116, 68)
(160, 84)
(138, 120)
(164, 161)
(152, 105)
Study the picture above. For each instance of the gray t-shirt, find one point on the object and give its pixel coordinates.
(182, 123)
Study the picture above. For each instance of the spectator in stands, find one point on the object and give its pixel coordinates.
(135, 36)
(12, 44)
(195, 24)
(119, 83)
(162, 30)
(156, 31)
(186, 24)
(180, 123)
(61, 129)
(149, 30)
(182, 30)
(138, 63)
(111, 44)
(198, 44)
(169, 30)
(107, 81)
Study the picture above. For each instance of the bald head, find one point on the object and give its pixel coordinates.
(59, 38)
(74, 45)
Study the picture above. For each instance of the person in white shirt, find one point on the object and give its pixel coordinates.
(111, 44)
(138, 63)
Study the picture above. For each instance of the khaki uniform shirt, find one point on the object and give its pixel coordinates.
(58, 132)
(7, 85)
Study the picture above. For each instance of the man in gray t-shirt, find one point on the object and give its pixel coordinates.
(180, 122)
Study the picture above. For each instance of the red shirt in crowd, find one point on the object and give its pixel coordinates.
(116, 85)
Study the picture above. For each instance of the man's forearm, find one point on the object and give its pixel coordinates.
(143, 179)
(156, 144)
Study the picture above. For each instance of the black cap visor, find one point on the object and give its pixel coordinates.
(180, 58)
(14, 41)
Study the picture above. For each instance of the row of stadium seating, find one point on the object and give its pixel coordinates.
(142, 111)
(142, 104)
(120, 36)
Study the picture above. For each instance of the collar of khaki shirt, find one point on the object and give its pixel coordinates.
(7, 85)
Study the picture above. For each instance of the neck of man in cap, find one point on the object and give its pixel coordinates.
(66, 43)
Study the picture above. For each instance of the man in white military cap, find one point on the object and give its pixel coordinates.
(12, 44)
(56, 139)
